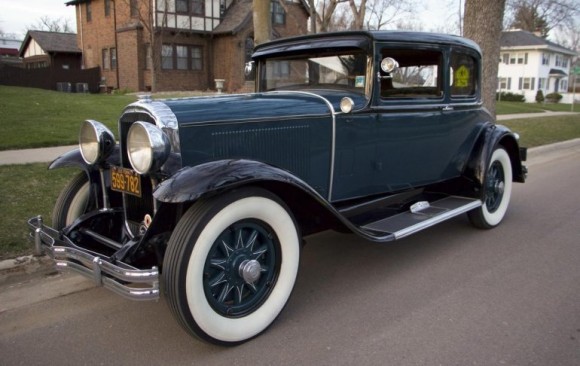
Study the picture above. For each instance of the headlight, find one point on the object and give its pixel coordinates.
(147, 146)
(96, 141)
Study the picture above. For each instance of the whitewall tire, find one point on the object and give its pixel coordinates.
(72, 202)
(231, 265)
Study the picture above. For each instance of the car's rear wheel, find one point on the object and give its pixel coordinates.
(231, 264)
(72, 202)
(497, 192)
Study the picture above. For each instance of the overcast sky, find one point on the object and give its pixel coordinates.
(16, 15)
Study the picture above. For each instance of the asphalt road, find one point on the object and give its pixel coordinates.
(452, 295)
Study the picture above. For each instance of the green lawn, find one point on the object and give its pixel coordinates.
(515, 107)
(38, 118)
(539, 131)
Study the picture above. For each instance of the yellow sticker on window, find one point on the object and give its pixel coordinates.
(461, 77)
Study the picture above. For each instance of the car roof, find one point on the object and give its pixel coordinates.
(360, 39)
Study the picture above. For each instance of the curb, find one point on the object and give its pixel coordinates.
(18, 268)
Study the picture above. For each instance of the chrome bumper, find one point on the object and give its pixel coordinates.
(121, 278)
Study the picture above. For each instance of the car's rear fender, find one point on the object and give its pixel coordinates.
(490, 138)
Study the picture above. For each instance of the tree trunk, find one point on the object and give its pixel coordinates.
(483, 24)
(262, 21)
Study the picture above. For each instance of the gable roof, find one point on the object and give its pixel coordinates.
(519, 39)
(236, 17)
(52, 42)
(239, 14)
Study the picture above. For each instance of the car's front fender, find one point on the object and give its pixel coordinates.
(191, 183)
(74, 158)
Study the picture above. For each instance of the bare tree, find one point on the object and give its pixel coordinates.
(531, 14)
(483, 23)
(48, 24)
(381, 13)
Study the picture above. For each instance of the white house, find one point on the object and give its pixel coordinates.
(529, 63)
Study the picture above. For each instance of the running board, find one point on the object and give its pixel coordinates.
(423, 215)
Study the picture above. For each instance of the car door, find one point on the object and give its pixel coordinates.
(414, 135)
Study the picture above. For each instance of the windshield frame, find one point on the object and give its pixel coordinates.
(311, 57)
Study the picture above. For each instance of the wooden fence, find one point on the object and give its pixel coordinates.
(74, 81)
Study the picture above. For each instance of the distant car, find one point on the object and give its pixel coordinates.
(381, 134)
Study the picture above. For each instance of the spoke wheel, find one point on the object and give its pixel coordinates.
(497, 192)
(241, 268)
(231, 264)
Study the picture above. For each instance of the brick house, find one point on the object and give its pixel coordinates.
(50, 49)
(194, 42)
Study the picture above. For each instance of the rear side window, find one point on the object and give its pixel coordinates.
(418, 74)
(463, 72)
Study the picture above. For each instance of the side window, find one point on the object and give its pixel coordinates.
(418, 74)
(463, 72)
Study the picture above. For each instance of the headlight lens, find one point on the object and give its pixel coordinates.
(147, 146)
(96, 141)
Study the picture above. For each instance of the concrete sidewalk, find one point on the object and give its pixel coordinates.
(504, 117)
(25, 156)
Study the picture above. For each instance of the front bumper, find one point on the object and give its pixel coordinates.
(119, 277)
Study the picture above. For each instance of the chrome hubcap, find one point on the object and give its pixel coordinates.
(250, 271)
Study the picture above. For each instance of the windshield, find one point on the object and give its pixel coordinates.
(331, 71)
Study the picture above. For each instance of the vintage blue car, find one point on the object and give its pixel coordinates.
(381, 134)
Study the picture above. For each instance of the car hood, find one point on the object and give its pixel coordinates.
(244, 107)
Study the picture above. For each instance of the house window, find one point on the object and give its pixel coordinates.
(181, 52)
(526, 83)
(278, 13)
(192, 7)
(198, 7)
(113, 58)
(89, 11)
(504, 83)
(107, 8)
(519, 58)
(545, 58)
(564, 61)
(506, 58)
(167, 57)
(134, 8)
(106, 60)
(196, 58)
(559, 61)
(564, 85)
(542, 84)
(181, 6)
(181, 57)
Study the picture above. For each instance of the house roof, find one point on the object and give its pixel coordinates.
(237, 16)
(52, 42)
(519, 39)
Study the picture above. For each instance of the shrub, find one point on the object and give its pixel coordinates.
(554, 97)
(510, 97)
(540, 96)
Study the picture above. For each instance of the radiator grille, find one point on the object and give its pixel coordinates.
(285, 147)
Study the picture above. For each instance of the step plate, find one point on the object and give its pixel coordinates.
(408, 223)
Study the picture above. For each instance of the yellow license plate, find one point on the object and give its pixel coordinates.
(126, 181)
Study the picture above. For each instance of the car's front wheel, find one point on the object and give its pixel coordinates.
(497, 192)
(73, 201)
(231, 264)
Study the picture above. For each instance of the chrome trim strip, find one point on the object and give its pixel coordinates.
(333, 113)
(121, 278)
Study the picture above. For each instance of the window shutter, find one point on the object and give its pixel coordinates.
(520, 83)
(509, 83)
(532, 85)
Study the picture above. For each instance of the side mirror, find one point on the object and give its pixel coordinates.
(249, 69)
